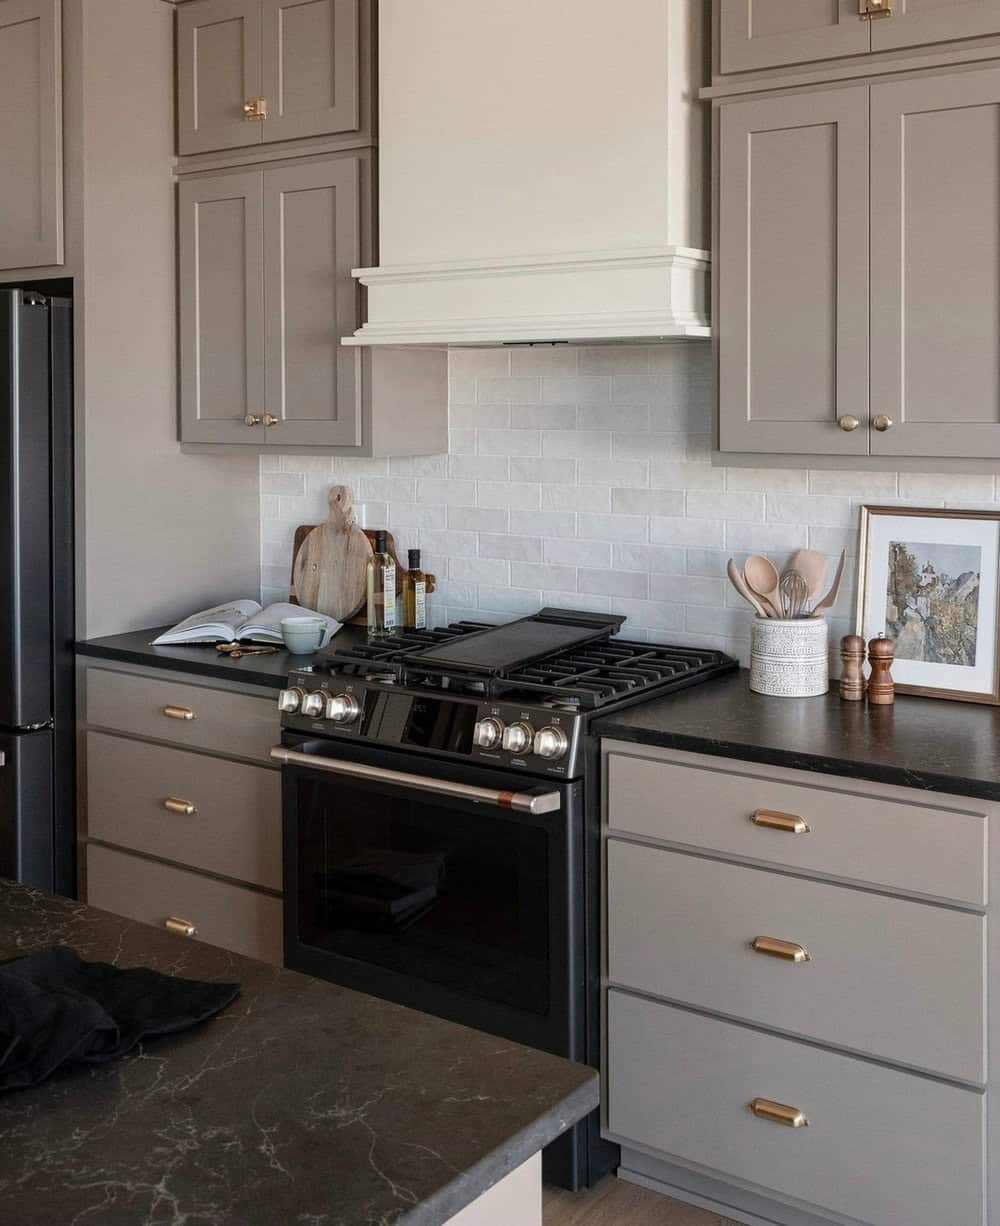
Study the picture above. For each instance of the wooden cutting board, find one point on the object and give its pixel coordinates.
(330, 561)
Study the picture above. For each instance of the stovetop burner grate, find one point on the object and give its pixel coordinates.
(583, 678)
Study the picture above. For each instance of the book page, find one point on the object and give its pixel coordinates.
(210, 625)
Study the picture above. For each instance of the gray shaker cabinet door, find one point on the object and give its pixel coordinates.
(311, 65)
(793, 273)
(312, 233)
(218, 72)
(31, 212)
(221, 308)
(935, 265)
(764, 33)
(917, 22)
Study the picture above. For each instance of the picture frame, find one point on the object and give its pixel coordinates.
(929, 578)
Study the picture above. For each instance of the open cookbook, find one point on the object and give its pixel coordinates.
(240, 621)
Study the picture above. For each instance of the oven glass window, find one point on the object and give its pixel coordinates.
(455, 896)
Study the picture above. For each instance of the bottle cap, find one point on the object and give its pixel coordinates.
(380, 540)
(414, 558)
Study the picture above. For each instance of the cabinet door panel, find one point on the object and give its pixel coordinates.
(221, 308)
(312, 227)
(31, 134)
(915, 22)
(311, 65)
(935, 261)
(218, 70)
(764, 33)
(793, 272)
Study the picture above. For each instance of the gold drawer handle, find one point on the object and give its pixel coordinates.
(771, 819)
(791, 951)
(172, 712)
(184, 807)
(778, 1113)
(182, 927)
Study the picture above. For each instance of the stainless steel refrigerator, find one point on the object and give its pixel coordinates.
(37, 786)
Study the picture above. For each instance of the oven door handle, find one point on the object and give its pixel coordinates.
(535, 803)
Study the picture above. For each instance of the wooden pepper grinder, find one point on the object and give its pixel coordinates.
(881, 690)
(852, 676)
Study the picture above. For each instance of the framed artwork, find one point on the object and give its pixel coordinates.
(929, 580)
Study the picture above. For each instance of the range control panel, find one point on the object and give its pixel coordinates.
(535, 739)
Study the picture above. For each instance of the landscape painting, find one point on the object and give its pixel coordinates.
(932, 601)
(930, 581)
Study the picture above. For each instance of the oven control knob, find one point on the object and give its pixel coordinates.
(315, 703)
(518, 738)
(343, 709)
(289, 701)
(487, 733)
(551, 743)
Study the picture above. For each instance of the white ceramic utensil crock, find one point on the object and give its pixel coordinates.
(788, 657)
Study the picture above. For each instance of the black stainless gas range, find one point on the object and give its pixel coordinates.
(441, 810)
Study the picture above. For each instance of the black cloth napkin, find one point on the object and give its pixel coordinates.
(56, 1009)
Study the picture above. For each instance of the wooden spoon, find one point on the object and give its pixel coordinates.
(738, 582)
(811, 565)
(831, 596)
(762, 579)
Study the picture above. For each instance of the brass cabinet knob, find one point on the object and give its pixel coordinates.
(270, 420)
(868, 10)
(791, 951)
(174, 805)
(172, 712)
(252, 420)
(182, 927)
(778, 1113)
(848, 423)
(882, 423)
(255, 109)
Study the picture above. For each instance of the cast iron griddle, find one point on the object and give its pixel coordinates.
(501, 648)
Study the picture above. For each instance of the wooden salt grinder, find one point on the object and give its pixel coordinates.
(881, 690)
(852, 677)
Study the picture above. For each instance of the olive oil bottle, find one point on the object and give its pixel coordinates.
(381, 591)
(414, 595)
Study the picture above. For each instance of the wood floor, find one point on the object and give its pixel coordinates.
(617, 1203)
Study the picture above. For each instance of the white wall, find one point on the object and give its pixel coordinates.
(581, 477)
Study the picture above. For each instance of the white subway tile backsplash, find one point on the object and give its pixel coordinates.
(582, 476)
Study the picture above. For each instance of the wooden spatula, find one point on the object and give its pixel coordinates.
(830, 598)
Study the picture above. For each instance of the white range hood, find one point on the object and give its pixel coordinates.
(542, 173)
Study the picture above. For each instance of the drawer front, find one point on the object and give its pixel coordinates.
(888, 977)
(882, 1147)
(136, 794)
(196, 716)
(228, 915)
(919, 848)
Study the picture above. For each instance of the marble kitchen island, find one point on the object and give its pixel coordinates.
(302, 1103)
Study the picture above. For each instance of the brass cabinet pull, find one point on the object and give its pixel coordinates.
(255, 109)
(172, 712)
(772, 819)
(882, 423)
(778, 1113)
(868, 10)
(182, 927)
(791, 951)
(848, 422)
(185, 807)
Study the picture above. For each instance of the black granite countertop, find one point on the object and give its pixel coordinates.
(203, 660)
(928, 743)
(302, 1103)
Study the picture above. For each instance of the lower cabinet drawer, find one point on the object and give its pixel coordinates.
(885, 976)
(241, 920)
(881, 1147)
(136, 795)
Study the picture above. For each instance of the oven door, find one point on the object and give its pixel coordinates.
(444, 887)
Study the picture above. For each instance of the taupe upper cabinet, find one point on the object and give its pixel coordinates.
(31, 208)
(766, 33)
(266, 295)
(221, 306)
(917, 22)
(792, 258)
(935, 265)
(254, 71)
